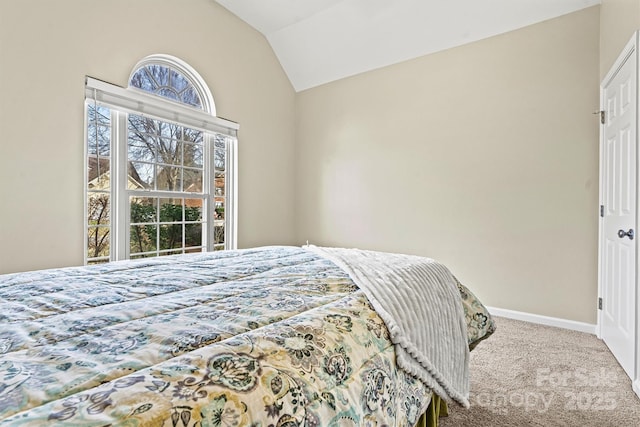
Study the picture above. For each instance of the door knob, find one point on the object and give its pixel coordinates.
(629, 234)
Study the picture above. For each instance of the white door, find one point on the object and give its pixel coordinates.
(618, 211)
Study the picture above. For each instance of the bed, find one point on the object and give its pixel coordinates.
(269, 336)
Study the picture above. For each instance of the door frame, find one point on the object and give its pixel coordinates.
(631, 46)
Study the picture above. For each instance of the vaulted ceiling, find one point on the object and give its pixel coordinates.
(319, 41)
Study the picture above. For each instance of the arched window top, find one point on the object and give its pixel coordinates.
(171, 78)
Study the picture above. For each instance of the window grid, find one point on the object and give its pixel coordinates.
(161, 225)
(165, 155)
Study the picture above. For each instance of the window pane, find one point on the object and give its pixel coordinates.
(171, 210)
(98, 208)
(169, 130)
(168, 93)
(142, 173)
(136, 136)
(190, 97)
(98, 130)
(219, 158)
(98, 140)
(219, 232)
(169, 178)
(170, 236)
(193, 180)
(139, 125)
(98, 173)
(102, 114)
(143, 238)
(219, 208)
(98, 242)
(160, 74)
(170, 151)
(145, 129)
(143, 209)
(178, 81)
(193, 209)
(192, 135)
(219, 184)
(142, 80)
(192, 235)
(141, 150)
(192, 155)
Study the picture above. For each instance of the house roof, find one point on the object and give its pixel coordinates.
(97, 166)
(319, 41)
(100, 166)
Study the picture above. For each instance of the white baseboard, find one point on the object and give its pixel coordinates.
(544, 320)
(636, 387)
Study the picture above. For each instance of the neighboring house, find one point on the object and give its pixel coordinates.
(100, 175)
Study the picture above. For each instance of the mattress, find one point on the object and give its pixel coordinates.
(271, 336)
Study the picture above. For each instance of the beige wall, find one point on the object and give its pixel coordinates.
(618, 21)
(484, 157)
(47, 48)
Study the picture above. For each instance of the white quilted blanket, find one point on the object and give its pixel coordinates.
(420, 303)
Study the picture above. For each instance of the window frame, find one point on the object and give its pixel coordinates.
(125, 101)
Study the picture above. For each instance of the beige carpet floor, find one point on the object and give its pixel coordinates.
(533, 375)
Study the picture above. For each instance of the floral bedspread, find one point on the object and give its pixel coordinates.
(273, 336)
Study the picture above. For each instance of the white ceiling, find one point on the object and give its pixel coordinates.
(319, 41)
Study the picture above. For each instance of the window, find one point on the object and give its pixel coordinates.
(160, 166)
